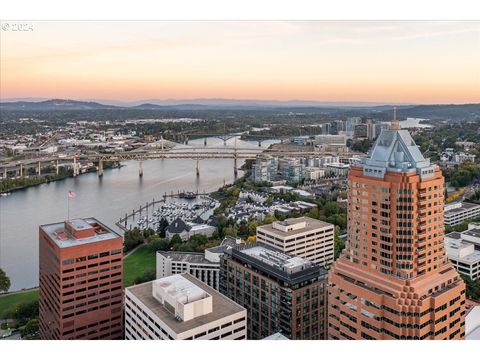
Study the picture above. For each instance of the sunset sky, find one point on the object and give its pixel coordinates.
(387, 61)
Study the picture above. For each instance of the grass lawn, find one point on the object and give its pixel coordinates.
(8, 302)
(137, 263)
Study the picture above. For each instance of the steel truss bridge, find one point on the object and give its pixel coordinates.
(18, 168)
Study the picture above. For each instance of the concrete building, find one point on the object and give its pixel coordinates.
(360, 131)
(457, 213)
(463, 250)
(339, 140)
(264, 169)
(281, 293)
(394, 280)
(472, 324)
(338, 169)
(80, 276)
(463, 256)
(181, 307)
(291, 169)
(204, 266)
(304, 237)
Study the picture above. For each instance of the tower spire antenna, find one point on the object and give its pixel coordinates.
(395, 125)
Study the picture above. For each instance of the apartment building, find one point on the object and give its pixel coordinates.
(281, 293)
(304, 237)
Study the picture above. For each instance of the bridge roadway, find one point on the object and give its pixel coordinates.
(198, 154)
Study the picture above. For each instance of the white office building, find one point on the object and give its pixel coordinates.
(456, 213)
(304, 237)
(204, 266)
(180, 307)
(463, 250)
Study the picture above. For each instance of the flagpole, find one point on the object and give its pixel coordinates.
(68, 206)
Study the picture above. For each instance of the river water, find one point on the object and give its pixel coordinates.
(108, 198)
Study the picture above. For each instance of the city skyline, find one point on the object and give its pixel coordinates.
(330, 61)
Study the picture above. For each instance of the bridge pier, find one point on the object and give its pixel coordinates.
(235, 168)
(21, 170)
(57, 168)
(100, 168)
(75, 167)
(186, 140)
(205, 142)
(259, 143)
(224, 142)
(5, 172)
(198, 168)
(39, 168)
(140, 168)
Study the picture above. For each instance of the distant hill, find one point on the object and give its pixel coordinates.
(442, 112)
(54, 104)
(470, 112)
(149, 106)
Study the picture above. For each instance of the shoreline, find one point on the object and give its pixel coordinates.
(47, 181)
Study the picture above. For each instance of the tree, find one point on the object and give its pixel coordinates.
(4, 281)
(176, 239)
(148, 275)
(159, 245)
(162, 227)
(268, 219)
(30, 331)
(24, 312)
(338, 244)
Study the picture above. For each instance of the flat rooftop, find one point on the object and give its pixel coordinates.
(311, 224)
(221, 305)
(454, 245)
(288, 268)
(277, 259)
(454, 235)
(181, 289)
(63, 239)
(464, 207)
(190, 257)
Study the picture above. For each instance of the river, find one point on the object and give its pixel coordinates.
(107, 198)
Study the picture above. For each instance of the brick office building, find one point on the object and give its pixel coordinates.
(81, 271)
(393, 280)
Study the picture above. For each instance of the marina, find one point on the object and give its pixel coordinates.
(188, 206)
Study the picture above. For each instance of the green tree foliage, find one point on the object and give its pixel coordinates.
(30, 331)
(473, 287)
(175, 241)
(132, 238)
(25, 311)
(148, 275)
(4, 281)
(162, 227)
(338, 244)
(159, 245)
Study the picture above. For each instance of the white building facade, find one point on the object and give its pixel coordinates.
(304, 237)
(180, 307)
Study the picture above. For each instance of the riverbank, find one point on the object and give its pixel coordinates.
(8, 302)
(11, 185)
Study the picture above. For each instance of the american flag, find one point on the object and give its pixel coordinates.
(71, 194)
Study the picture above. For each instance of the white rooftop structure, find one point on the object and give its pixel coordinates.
(276, 336)
(277, 259)
(182, 297)
(472, 324)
